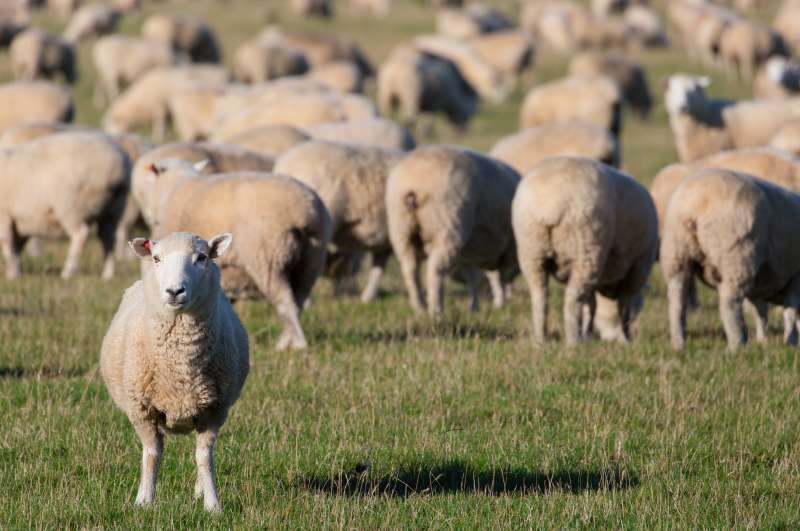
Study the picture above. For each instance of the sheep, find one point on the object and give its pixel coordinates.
(379, 132)
(488, 82)
(787, 23)
(321, 48)
(147, 99)
(186, 34)
(412, 83)
(592, 99)
(176, 356)
(739, 235)
(593, 228)
(453, 206)
(257, 61)
(270, 140)
(92, 20)
(343, 76)
(777, 79)
(62, 183)
(787, 138)
(744, 46)
(510, 52)
(312, 8)
(702, 126)
(34, 101)
(36, 54)
(628, 74)
(523, 150)
(24, 133)
(471, 21)
(282, 225)
(566, 27)
(644, 26)
(351, 181)
(121, 60)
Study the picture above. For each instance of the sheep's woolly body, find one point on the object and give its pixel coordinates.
(33, 101)
(35, 53)
(186, 34)
(379, 132)
(629, 75)
(322, 48)
(269, 140)
(510, 51)
(740, 235)
(592, 99)
(591, 227)
(525, 149)
(343, 76)
(92, 20)
(62, 184)
(453, 206)
(257, 61)
(121, 60)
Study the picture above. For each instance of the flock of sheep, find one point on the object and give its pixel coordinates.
(286, 154)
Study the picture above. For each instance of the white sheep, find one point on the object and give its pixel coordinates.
(644, 26)
(322, 48)
(270, 140)
(256, 61)
(592, 99)
(176, 356)
(629, 75)
(787, 23)
(377, 131)
(351, 181)
(779, 78)
(282, 226)
(453, 206)
(63, 184)
(120, 60)
(593, 228)
(186, 34)
(523, 150)
(35, 53)
(92, 20)
(471, 21)
(739, 235)
(34, 101)
(511, 52)
(745, 45)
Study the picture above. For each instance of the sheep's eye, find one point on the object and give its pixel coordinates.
(156, 259)
(201, 258)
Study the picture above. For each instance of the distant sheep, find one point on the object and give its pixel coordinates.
(187, 34)
(257, 61)
(380, 132)
(777, 79)
(312, 8)
(629, 75)
(91, 21)
(34, 101)
(270, 140)
(37, 54)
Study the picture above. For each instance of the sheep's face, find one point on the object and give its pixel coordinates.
(685, 94)
(183, 268)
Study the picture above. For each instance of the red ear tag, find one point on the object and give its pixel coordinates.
(152, 167)
(147, 244)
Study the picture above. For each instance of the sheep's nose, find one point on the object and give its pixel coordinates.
(174, 292)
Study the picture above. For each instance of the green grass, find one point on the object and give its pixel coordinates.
(392, 422)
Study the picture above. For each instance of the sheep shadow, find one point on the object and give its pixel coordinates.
(460, 477)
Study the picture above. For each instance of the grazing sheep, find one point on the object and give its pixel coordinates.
(453, 206)
(566, 27)
(510, 52)
(282, 226)
(777, 79)
(351, 181)
(591, 99)
(186, 34)
(62, 183)
(147, 100)
(120, 60)
(593, 228)
(92, 20)
(412, 83)
(270, 140)
(744, 46)
(176, 356)
(380, 132)
(37, 54)
(312, 8)
(629, 75)
(787, 23)
(471, 21)
(739, 235)
(523, 150)
(644, 26)
(321, 48)
(33, 101)
(343, 76)
(256, 61)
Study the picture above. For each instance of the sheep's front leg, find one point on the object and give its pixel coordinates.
(575, 296)
(678, 289)
(152, 449)
(375, 274)
(409, 265)
(9, 239)
(537, 280)
(206, 484)
(732, 315)
(77, 241)
(498, 290)
(589, 311)
(760, 311)
(289, 312)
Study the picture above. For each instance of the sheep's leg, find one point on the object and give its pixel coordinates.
(498, 290)
(731, 313)
(409, 265)
(588, 310)
(760, 312)
(537, 280)
(474, 285)
(206, 484)
(790, 325)
(152, 449)
(107, 233)
(576, 295)
(678, 293)
(289, 313)
(375, 274)
(77, 241)
(439, 263)
(11, 248)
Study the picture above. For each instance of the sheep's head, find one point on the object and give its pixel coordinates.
(186, 277)
(685, 94)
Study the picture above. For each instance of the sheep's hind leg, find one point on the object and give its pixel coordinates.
(77, 241)
(409, 265)
(439, 263)
(12, 245)
(731, 312)
(375, 274)
(289, 313)
(678, 289)
(790, 312)
(498, 289)
(152, 450)
(108, 237)
(206, 484)
(576, 295)
(760, 311)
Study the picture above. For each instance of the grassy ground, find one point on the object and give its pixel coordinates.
(392, 422)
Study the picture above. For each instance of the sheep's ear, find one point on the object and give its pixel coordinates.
(218, 245)
(704, 81)
(200, 165)
(141, 247)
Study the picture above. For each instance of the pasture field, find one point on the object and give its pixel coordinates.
(393, 422)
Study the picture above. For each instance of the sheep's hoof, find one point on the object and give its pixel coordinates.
(213, 507)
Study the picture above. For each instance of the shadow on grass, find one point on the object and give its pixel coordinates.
(447, 330)
(39, 372)
(456, 476)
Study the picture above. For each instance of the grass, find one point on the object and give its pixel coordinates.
(391, 422)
